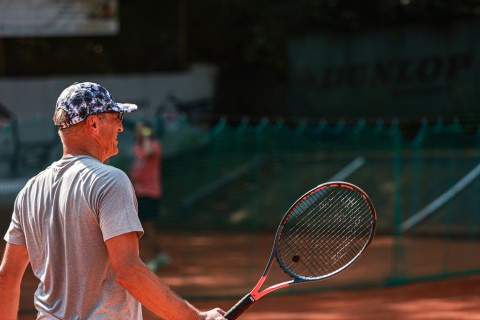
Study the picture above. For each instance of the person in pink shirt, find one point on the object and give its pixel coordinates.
(146, 176)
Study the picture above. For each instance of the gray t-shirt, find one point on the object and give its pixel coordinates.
(63, 215)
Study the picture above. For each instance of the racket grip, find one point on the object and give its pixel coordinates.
(240, 307)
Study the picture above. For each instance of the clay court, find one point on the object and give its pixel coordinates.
(452, 299)
(217, 270)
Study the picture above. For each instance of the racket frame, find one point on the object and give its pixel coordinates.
(256, 294)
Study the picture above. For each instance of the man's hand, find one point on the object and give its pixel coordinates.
(214, 314)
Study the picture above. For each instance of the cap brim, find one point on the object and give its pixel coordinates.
(127, 107)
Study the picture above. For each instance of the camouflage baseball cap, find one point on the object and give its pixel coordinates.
(86, 98)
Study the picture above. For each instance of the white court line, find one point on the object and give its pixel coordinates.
(441, 200)
(215, 185)
(348, 169)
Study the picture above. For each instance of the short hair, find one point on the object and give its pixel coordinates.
(60, 117)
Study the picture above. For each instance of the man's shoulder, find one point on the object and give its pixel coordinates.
(90, 166)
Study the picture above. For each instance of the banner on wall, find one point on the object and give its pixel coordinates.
(53, 18)
(411, 71)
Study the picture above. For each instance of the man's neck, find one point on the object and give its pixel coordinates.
(69, 151)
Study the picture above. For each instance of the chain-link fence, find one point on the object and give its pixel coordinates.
(240, 178)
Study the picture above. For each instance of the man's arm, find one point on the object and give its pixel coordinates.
(15, 261)
(145, 286)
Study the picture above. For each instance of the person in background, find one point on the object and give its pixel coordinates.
(76, 223)
(146, 176)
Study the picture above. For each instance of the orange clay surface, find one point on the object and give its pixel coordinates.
(217, 270)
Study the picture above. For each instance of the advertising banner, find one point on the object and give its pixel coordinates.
(53, 18)
(403, 72)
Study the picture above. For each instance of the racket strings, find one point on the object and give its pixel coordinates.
(334, 247)
(299, 231)
(356, 216)
(337, 245)
(325, 232)
(323, 266)
(329, 245)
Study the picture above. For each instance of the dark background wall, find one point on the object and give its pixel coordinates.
(247, 40)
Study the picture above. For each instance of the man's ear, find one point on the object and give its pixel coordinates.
(91, 122)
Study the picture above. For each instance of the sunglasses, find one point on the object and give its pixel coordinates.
(120, 115)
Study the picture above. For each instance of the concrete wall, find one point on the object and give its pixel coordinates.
(35, 97)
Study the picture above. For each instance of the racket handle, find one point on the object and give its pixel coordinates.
(240, 307)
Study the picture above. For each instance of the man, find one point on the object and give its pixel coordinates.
(76, 223)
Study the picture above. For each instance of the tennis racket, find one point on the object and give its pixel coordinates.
(324, 231)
